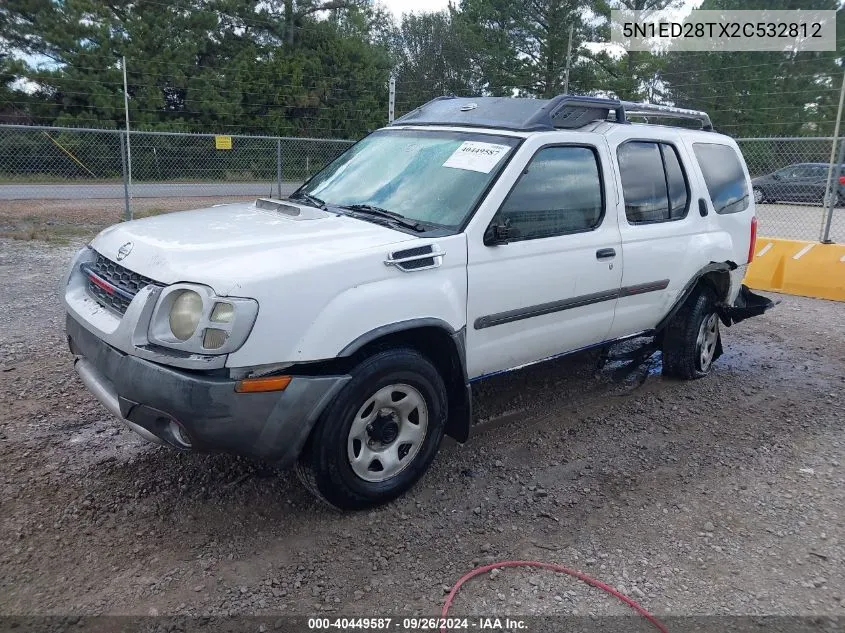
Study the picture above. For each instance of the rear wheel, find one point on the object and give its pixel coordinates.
(381, 433)
(839, 200)
(692, 340)
(759, 195)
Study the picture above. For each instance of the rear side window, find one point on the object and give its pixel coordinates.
(653, 182)
(560, 192)
(724, 177)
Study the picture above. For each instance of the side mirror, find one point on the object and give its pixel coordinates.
(776, 176)
(498, 233)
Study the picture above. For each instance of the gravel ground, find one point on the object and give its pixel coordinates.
(719, 496)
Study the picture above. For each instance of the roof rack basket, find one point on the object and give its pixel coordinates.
(570, 111)
(650, 110)
(561, 112)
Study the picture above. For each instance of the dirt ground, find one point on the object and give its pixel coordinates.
(63, 221)
(720, 496)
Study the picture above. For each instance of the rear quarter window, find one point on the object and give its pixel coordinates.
(724, 177)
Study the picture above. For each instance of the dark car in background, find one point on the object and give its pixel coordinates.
(802, 182)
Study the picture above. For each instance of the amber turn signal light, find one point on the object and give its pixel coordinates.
(260, 385)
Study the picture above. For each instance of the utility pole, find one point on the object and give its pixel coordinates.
(833, 186)
(128, 147)
(391, 99)
(568, 60)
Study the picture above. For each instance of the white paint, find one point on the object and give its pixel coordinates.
(803, 251)
(532, 272)
(765, 249)
(476, 156)
(674, 250)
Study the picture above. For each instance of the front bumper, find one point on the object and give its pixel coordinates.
(197, 410)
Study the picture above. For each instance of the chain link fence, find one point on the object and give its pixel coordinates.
(790, 178)
(48, 163)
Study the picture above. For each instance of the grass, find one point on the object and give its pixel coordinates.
(32, 227)
(59, 235)
(148, 213)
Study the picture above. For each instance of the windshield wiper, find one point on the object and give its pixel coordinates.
(314, 201)
(378, 212)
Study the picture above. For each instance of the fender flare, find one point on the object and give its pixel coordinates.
(392, 328)
(722, 267)
(459, 390)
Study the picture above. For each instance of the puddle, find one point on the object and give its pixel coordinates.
(105, 441)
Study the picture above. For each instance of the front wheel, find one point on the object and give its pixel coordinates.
(381, 433)
(692, 340)
(759, 196)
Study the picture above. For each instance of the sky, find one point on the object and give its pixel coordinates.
(398, 7)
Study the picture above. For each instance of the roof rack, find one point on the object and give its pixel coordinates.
(668, 112)
(561, 112)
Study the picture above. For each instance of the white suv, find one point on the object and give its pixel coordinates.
(340, 330)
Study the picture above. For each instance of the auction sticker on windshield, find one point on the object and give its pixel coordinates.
(476, 156)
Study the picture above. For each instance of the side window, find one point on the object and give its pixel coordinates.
(654, 186)
(724, 177)
(560, 192)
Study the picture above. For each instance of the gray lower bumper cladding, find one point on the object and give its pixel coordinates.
(200, 411)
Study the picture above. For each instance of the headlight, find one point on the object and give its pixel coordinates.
(185, 314)
(193, 319)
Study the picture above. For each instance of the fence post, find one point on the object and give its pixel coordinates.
(833, 192)
(391, 99)
(832, 187)
(127, 212)
(279, 167)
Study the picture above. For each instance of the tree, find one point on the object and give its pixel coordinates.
(521, 48)
(430, 59)
(202, 64)
(761, 93)
(635, 75)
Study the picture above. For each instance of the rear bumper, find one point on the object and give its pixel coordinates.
(199, 411)
(747, 304)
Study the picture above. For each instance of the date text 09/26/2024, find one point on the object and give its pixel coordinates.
(416, 624)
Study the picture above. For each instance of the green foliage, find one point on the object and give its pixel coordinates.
(219, 65)
(320, 68)
(431, 59)
(750, 94)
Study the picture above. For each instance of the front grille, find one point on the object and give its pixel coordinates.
(125, 283)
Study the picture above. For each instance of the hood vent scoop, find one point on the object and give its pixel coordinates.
(418, 258)
(291, 209)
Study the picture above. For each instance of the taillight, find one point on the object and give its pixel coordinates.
(842, 180)
(752, 247)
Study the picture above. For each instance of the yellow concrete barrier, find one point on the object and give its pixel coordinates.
(809, 269)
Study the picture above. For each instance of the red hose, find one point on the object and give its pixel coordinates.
(558, 568)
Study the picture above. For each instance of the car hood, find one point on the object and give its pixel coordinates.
(227, 245)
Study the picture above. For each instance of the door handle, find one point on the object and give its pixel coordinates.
(606, 253)
(702, 207)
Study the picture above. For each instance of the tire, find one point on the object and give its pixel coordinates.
(838, 201)
(692, 342)
(759, 195)
(355, 457)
